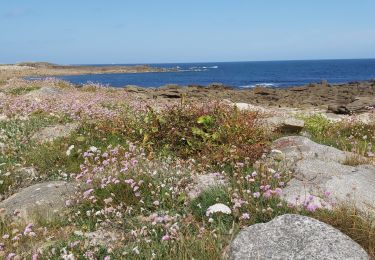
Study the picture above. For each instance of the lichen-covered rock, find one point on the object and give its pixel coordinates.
(44, 92)
(294, 237)
(205, 182)
(39, 200)
(51, 133)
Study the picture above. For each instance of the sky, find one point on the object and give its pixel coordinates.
(150, 31)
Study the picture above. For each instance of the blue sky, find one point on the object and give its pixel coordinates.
(140, 31)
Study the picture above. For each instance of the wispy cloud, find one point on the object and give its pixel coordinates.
(16, 12)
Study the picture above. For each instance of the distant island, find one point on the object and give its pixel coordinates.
(24, 69)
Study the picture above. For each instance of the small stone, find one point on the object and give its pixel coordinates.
(205, 182)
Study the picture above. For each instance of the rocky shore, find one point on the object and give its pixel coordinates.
(345, 98)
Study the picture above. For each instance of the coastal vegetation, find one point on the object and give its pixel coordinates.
(134, 164)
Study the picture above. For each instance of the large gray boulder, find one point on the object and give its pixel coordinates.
(294, 237)
(319, 170)
(51, 133)
(40, 200)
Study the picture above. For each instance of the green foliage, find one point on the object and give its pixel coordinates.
(350, 135)
(22, 90)
(317, 125)
(209, 134)
(16, 135)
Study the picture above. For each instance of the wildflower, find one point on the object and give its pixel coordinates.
(93, 149)
(268, 194)
(166, 237)
(108, 200)
(10, 256)
(245, 216)
(278, 191)
(272, 171)
(327, 193)
(210, 220)
(218, 207)
(87, 193)
(311, 207)
(256, 194)
(28, 229)
(135, 250)
(69, 151)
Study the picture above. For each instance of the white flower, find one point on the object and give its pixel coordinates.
(218, 207)
(93, 149)
(69, 151)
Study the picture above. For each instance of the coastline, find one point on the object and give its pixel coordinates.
(41, 69)
(345, 98)
(354, 96)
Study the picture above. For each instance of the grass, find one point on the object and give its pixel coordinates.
(22, 90)
(357, 225)
(135, 171)
(346, 135)
(15, 135)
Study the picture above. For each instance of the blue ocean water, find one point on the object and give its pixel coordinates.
(242, 74)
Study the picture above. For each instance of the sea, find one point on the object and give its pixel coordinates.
(240, 74)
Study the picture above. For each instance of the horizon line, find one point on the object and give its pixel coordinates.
(190, 62)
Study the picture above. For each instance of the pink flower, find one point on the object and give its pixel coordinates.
(87, 193)
(268, 194)
(166, 237)
(278, 191)
(327, 193)
(311, 207)
(245, 216)
(256, 194)
(28, 229)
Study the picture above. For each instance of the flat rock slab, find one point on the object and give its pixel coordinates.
(294, 237)
(45, 92)
(250, 107)
(299, 147)
(41, 200)
(282, 121)
(52, 133)
(319, 170)
(346, 184)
